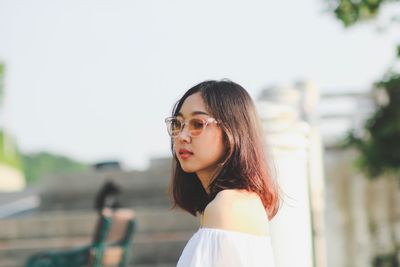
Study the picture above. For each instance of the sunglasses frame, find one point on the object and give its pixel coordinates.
(186, 122)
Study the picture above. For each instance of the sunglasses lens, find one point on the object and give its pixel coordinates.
(174, 126)
(196, 126)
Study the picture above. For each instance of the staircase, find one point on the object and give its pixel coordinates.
(160, 237)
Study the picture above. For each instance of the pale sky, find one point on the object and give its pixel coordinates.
(94, 80)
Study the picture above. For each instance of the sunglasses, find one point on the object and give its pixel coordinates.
(195, 126)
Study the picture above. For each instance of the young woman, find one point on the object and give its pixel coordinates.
(220, 174)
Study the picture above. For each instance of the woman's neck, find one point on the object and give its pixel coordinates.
(204, 179)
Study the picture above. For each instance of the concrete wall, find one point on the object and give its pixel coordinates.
(362, 215)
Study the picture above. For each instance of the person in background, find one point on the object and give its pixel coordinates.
(107, 197)
(220, 174)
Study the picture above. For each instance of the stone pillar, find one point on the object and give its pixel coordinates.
(310, 96)
(288, 149)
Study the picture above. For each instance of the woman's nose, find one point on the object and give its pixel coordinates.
(184, 134)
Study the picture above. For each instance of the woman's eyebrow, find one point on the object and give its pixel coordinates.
(193, 113)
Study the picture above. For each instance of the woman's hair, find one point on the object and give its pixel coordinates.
(243, 165)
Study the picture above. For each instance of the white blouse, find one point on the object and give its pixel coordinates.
(212, 247)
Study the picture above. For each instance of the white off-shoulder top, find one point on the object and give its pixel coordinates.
(212, 247)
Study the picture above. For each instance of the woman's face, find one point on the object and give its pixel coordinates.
(199, 154)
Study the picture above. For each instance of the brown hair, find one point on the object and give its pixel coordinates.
(243, 165)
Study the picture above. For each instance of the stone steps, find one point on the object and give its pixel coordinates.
(81, 223)
(146, 248)
(159, 240)
(57, 242)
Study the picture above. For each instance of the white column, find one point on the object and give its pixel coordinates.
(287, 146)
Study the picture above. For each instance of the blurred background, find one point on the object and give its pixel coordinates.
(85, 87)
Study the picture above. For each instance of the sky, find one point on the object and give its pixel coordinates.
(94, 80)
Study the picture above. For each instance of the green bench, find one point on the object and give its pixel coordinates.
(110, 246)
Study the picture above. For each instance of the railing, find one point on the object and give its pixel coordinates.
(340, 112)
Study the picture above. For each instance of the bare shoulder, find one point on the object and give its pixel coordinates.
(237, 210)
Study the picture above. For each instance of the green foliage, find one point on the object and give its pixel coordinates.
(386, 260)
(41, 164)
(12, 158)
(34, 166)
(379, 146)
(2, 73)
(350, 12)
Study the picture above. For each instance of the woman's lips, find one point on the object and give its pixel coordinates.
(184, 153)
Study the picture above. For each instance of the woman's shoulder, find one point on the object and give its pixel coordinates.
(236, 210)
(235, 198)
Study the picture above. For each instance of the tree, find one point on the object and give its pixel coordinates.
(6, 142)
(379, 143)
(34, 166)
(350, 12)
(2, 71)
(37, 165)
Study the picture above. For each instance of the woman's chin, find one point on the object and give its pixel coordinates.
(188, 169)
